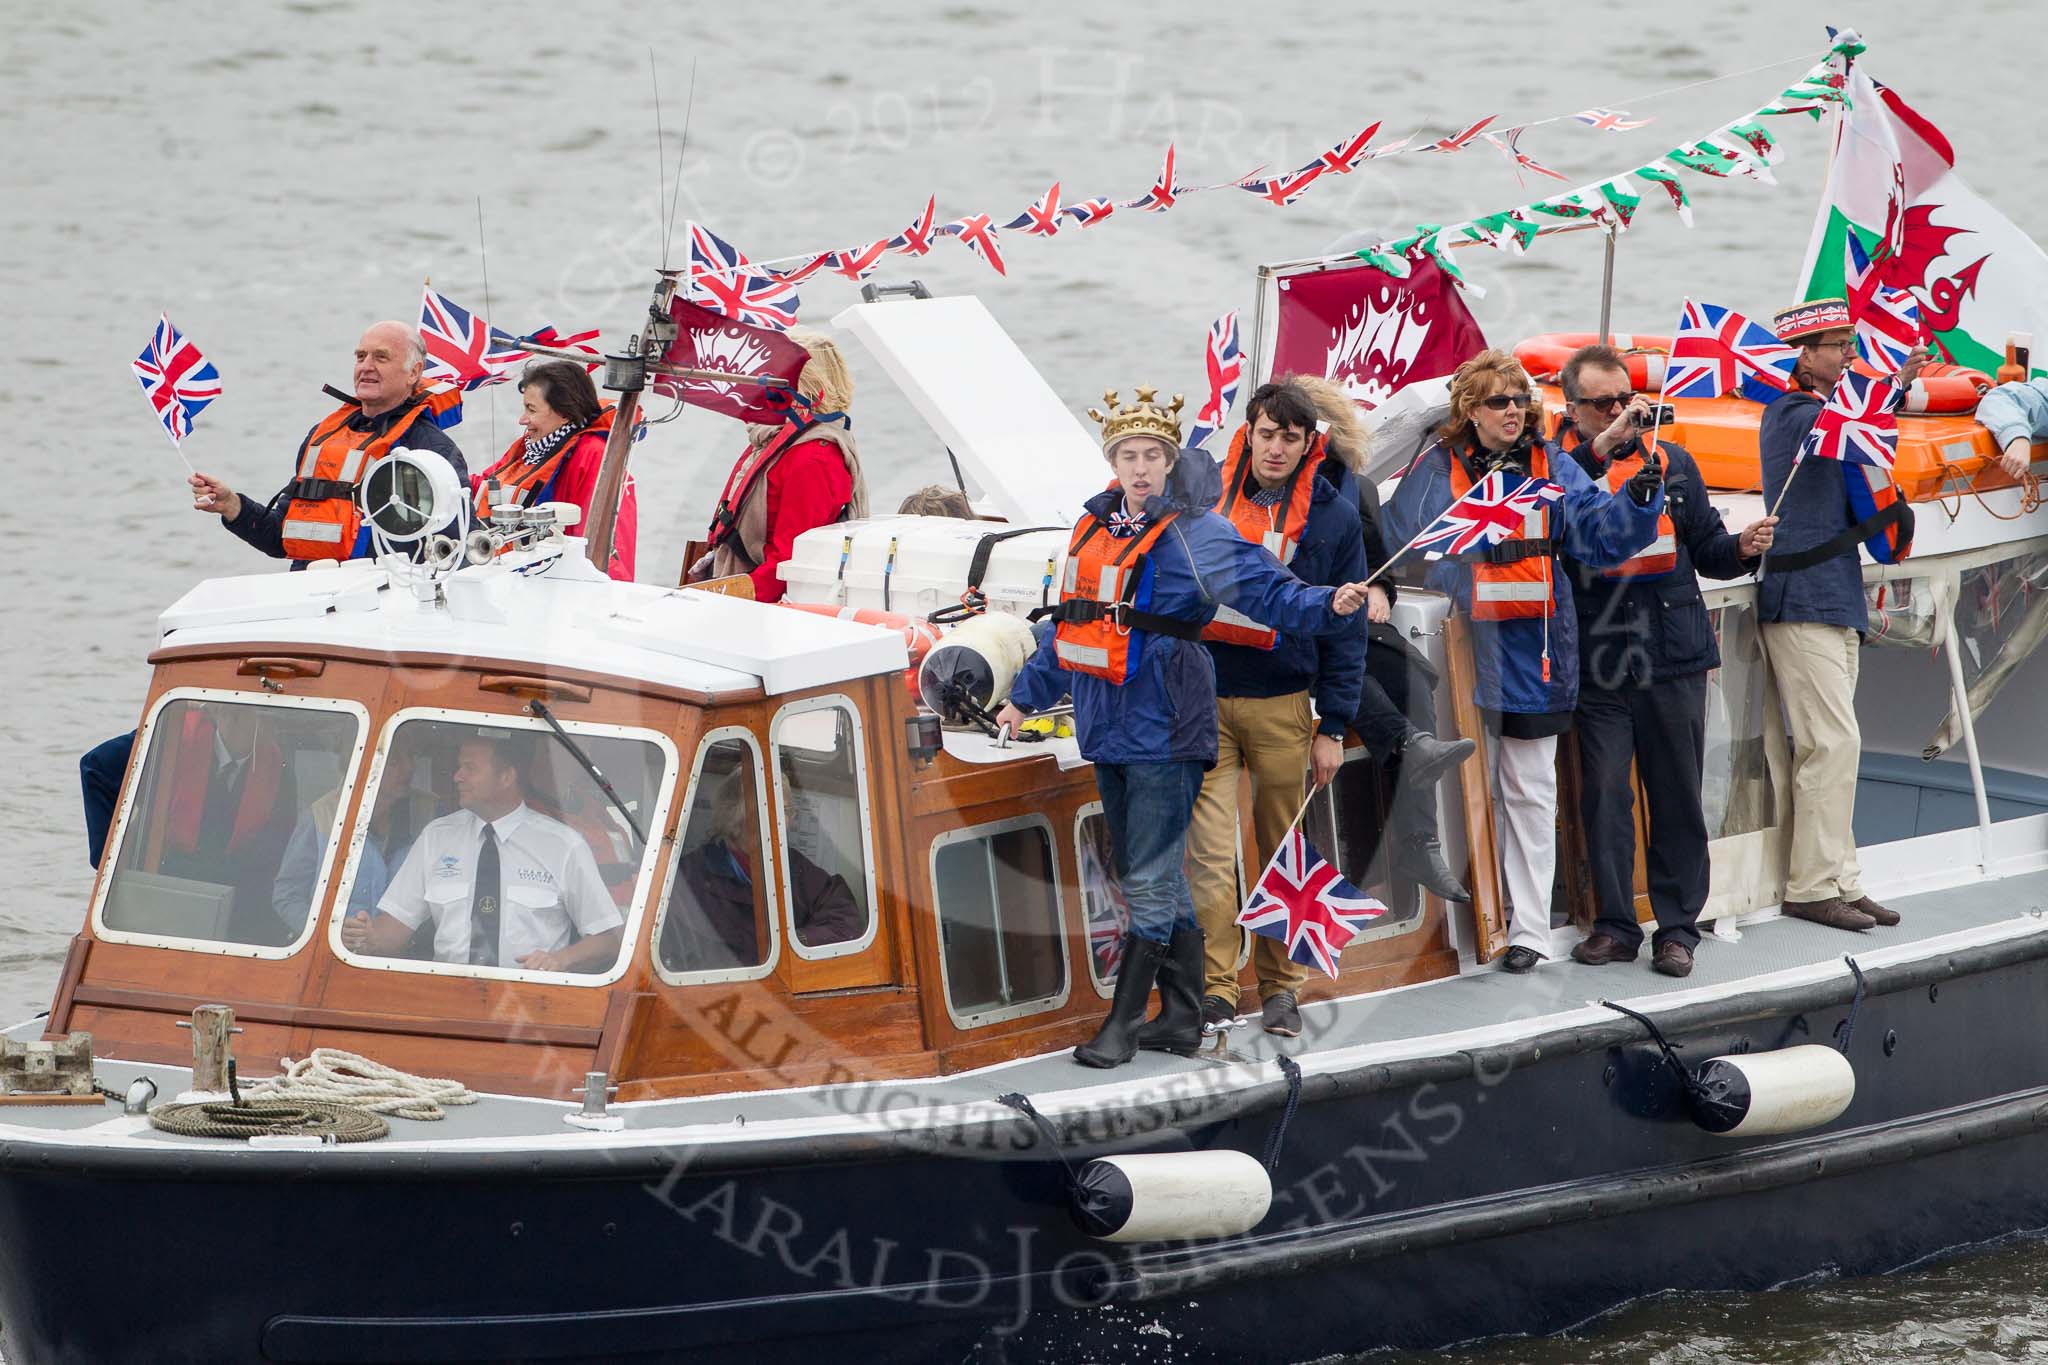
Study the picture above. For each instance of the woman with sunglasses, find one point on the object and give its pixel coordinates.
(1524, 632)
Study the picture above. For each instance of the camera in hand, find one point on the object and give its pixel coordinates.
(1656, 415)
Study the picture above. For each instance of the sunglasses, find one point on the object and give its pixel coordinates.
(1604, 404)
(1501, 402)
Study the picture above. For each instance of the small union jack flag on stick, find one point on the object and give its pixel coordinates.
(177, 380)
(1718, 351)
(1858, 425)
(1302, 900)
(1496, 507)
(1224, 362)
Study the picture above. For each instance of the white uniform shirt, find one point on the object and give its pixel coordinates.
(548, 885)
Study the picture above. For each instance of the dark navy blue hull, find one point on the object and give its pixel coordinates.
(1513, 1189)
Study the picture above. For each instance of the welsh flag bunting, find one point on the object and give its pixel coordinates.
(1892, 183)
(1622, 202)
(1658, 173)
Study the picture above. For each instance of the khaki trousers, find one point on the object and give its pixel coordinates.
(1815, 666)
(1268, 737)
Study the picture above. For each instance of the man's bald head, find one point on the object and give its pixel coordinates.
(389, 361)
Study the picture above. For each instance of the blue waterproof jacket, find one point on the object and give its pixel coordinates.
(1331, 551)
(1166, 710)
(1588, 523)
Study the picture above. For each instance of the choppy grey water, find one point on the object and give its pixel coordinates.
(275, 177)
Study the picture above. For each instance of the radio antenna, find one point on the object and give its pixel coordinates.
(484, 258)
(660, 156)
(689, 104)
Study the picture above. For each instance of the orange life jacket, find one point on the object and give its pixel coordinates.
(1279, 528)
(1660, 556)
(1102, 601)
(534, 483)
(323, 521)
(1511, 580)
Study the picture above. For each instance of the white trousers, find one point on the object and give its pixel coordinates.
(1526, 816)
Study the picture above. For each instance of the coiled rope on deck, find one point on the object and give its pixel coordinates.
(269, 1118)
(331, 1076)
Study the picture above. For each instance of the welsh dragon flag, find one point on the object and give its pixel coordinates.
(1893, 183)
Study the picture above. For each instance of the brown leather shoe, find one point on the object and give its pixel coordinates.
(1601, 949)
(1874, 910)
(1673, 959)
(1830, 912)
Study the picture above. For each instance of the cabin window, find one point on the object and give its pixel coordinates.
(718, 918)
(996, 887)
(821, 788)
(225, 835)
(488, 848)
(1103, 907)
(1736, 790)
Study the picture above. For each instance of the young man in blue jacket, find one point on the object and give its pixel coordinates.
(1145, 572)
(1645, 645)
(1274, 495)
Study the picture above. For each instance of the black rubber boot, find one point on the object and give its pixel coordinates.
(1116, 1042)
(1426, 760)
(1419, 858)
(1177, 1028)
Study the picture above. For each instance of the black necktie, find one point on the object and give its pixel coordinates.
(483, 904)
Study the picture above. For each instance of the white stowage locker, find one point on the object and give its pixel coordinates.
(917, 565)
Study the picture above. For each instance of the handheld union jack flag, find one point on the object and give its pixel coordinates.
(1165, 191)
(1224, 362)
(1609, 120)
(1303, 901)
(1042, 219)
(1491, 512)
(720, 279)
(1718, 351)
(978, 235)
(1458, 142)
(1889, 329)
(1858, 425)
(177, 380)
(462, 348)
(1089, 212)
(916, 239)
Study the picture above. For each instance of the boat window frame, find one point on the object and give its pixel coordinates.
(655, 821)
(351, 776)
(1082, 815)
(841, 702)
(717, 974)
(982, 832)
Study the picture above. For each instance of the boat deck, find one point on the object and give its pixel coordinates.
(1472, 1009)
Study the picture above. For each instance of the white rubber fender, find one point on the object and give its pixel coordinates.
(1759, 1094)
(1172, 1196)
(986, 653)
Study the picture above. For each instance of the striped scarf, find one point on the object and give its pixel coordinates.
(539, 448)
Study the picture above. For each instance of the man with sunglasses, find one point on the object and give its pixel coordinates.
(1645, 646)
(1814, 616)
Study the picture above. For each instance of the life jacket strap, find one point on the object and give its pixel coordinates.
(1842, 542)
(320, 490)
(1083, 611)
(1508, 552)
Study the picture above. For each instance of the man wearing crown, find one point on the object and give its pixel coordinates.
(1145, 573)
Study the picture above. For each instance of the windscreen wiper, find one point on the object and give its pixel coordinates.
(576, 752)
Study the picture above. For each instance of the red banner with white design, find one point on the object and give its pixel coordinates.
(1370, 332)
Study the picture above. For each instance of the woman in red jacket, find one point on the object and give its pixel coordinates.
(558, 458)
(790, 478)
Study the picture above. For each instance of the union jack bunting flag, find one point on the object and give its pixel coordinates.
(1042, 219)
(1858, 425)
(1458, 142)
(720, 281)
(858, 262)
(978, 235)
(177, 380)
(1224, 362)
(916, 239)
(1165, 191)
(1609, 120)
(1509, 144)
(1303, 901)
(797, 274)
(463, 349)
(1285, 189)
(1717, 351)
(1089, 212)
(573, 341)
(1489, 514)
(1348, 153)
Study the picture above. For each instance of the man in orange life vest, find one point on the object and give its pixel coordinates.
(1645, 646)
(1810, 602)
(1274, 494)
(315, 516)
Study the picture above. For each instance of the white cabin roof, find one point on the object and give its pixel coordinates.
(566, 617)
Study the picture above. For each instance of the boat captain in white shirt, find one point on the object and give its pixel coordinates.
(550, 912)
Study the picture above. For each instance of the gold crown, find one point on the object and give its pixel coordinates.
(1145, 417)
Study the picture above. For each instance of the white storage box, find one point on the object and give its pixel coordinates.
(916, 565)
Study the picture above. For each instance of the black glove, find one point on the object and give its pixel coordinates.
(1644, 485)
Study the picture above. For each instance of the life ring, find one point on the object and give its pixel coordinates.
(1544, 356)
(918, 635)
(1947, 388)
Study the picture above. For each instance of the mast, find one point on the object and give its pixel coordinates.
(626, 375)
